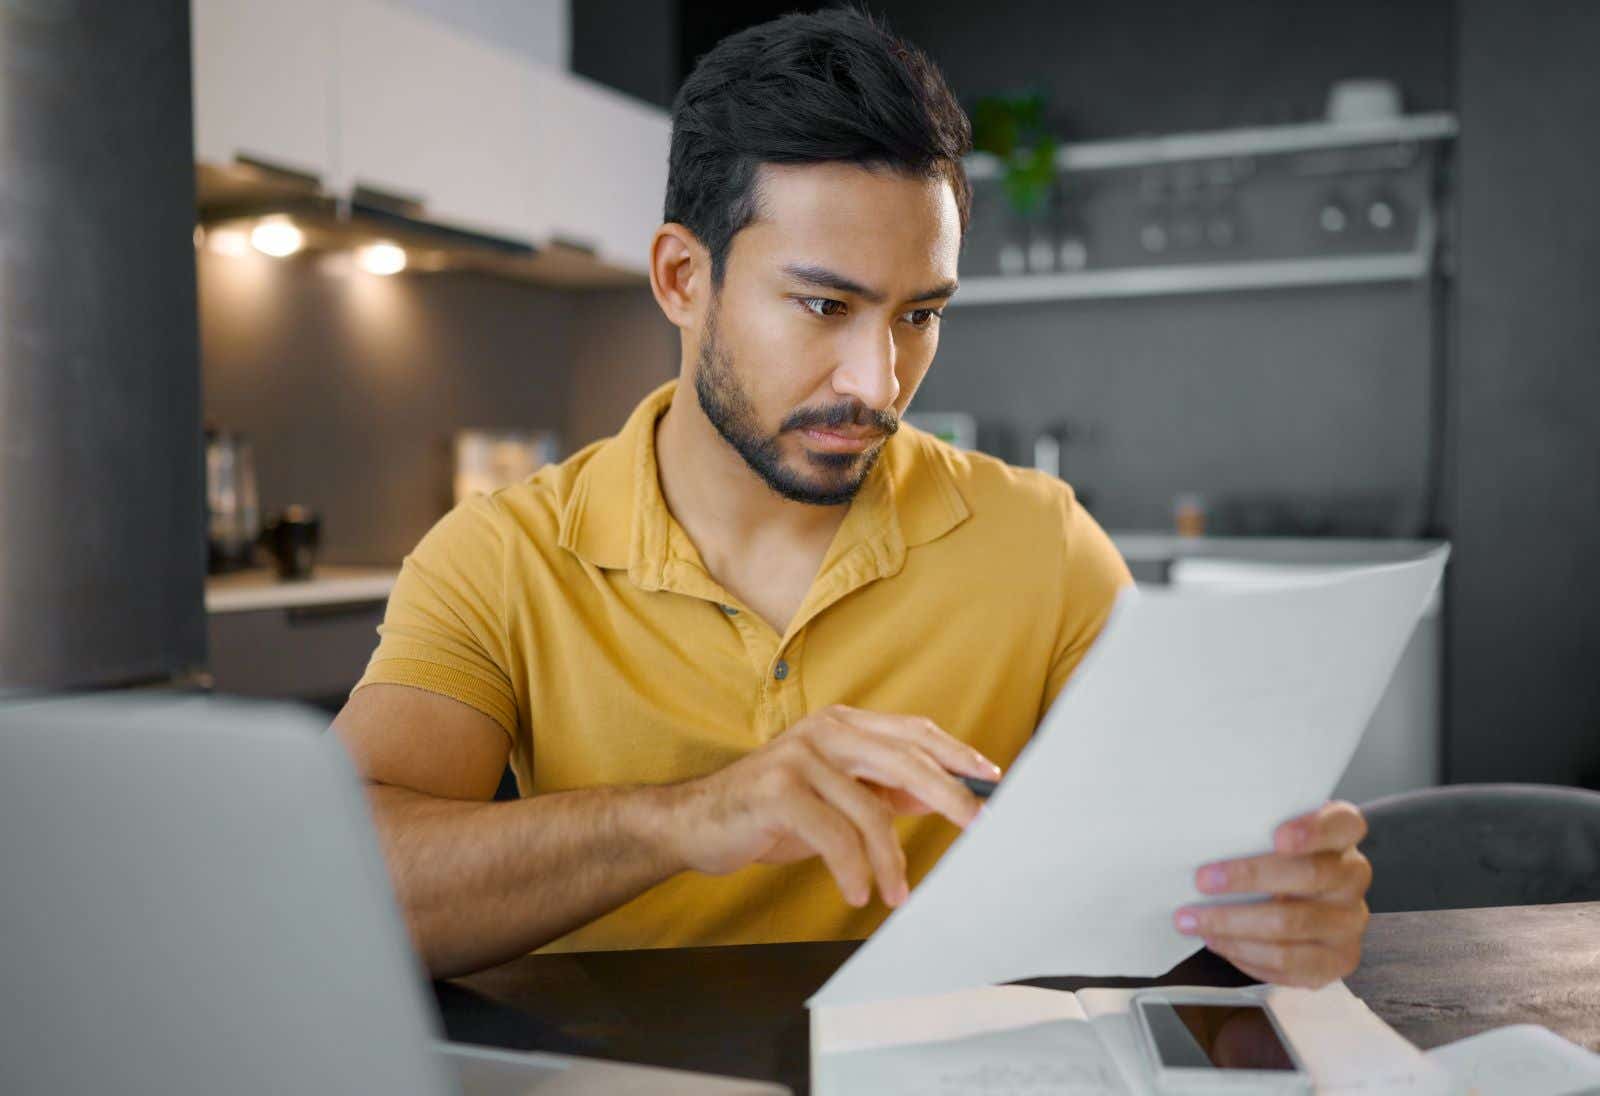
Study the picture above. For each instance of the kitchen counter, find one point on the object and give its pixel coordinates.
(1157, 547)
(261, 588)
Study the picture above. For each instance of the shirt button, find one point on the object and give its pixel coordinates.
(730, 610)
(781, 670)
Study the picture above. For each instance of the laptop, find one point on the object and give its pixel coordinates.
(192, 900)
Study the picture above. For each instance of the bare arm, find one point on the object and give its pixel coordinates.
(483, 882)
(472, 875)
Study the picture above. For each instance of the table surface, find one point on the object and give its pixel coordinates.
(1435, 977)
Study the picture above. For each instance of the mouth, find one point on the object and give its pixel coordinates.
(841, 441)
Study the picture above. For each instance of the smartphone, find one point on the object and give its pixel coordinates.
(1216, 1041)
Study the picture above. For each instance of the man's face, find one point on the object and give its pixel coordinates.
(826, 322)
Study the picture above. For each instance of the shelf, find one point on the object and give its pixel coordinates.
(1195, 278)
(1208, 277)
(1266, 140)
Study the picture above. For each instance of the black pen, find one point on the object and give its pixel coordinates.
(983, 789)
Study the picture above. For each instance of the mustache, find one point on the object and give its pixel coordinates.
(851, 413)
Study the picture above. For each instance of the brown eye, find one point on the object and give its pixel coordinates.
(820, 306)
(922, 317)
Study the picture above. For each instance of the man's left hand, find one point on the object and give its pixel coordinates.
(1309, 932)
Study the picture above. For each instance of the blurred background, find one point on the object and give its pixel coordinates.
(1278, 288)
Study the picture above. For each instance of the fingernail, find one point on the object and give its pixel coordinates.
(993, 767)
(1213, 878)
(1187, 922)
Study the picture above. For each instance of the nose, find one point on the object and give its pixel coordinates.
(867, 373)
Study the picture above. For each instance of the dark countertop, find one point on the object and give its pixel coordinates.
(1436, 977)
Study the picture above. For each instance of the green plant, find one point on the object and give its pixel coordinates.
(1012, 129)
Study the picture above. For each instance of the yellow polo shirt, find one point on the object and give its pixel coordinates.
(574, 611)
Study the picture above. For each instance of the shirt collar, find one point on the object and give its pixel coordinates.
(616, 517)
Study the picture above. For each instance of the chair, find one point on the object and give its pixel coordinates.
(1473, 845)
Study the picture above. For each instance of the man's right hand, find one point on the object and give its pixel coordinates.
(829, 786)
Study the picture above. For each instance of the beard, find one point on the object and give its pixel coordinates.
(725, 402)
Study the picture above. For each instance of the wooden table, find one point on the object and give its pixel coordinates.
(1436, 977)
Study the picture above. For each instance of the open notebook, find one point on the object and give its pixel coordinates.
(1022, 1039)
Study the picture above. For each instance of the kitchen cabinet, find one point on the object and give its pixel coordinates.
(600, 167)
(314, 653)
(303, 640)
(262, 83)
(365, 93)
(435, 115)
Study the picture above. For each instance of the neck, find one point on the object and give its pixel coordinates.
(717, 498)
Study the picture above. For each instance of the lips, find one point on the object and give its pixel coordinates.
(840, 441)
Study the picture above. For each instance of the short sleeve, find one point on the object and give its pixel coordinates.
(444, 629)
(1093, 574)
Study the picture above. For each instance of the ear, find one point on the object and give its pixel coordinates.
(680, 275)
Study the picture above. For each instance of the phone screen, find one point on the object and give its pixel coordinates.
(1215, 1036)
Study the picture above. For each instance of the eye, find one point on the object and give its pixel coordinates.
(923, 317)
(821, 306)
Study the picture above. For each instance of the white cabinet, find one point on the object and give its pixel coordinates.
(600, 167)
(373, 93)
(263, 78)
(433, 114)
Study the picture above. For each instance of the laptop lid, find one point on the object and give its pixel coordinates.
(193, 901)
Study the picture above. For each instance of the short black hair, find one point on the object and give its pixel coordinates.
(827, 86)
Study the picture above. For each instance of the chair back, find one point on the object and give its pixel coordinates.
(1470, 845)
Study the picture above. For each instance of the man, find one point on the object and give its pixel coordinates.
(750, 643)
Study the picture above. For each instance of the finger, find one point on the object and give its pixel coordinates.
(1310, 875)
(835, 840)
(1309, 965)
(895, 763)
(873, 823)
(900, 802)
(1332, 827)
(1281, 920)
(950, 752)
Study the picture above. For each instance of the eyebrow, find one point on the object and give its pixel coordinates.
(830, 279)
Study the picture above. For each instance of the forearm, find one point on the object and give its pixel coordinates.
(481, 883)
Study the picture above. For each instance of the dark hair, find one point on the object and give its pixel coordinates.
(829, 86)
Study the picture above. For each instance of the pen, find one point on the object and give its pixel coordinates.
(983, 789)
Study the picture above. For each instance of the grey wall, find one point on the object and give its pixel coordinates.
(621, 347)
(631, 45)
(1118, 67)
(1311, 391)
(1525, 687)
(352, 386)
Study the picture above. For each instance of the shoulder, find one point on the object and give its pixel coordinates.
(1022, 514)
(994, 492)
(533, 511)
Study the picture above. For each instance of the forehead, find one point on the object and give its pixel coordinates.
(874, 224)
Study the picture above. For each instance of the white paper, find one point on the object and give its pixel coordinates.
(993, 1039)
(1196, 724)
(941, 1017)
(1522, 1060)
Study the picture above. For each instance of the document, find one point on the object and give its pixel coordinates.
(1521, 1060)
(1196, 724)
(1023, 1040)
